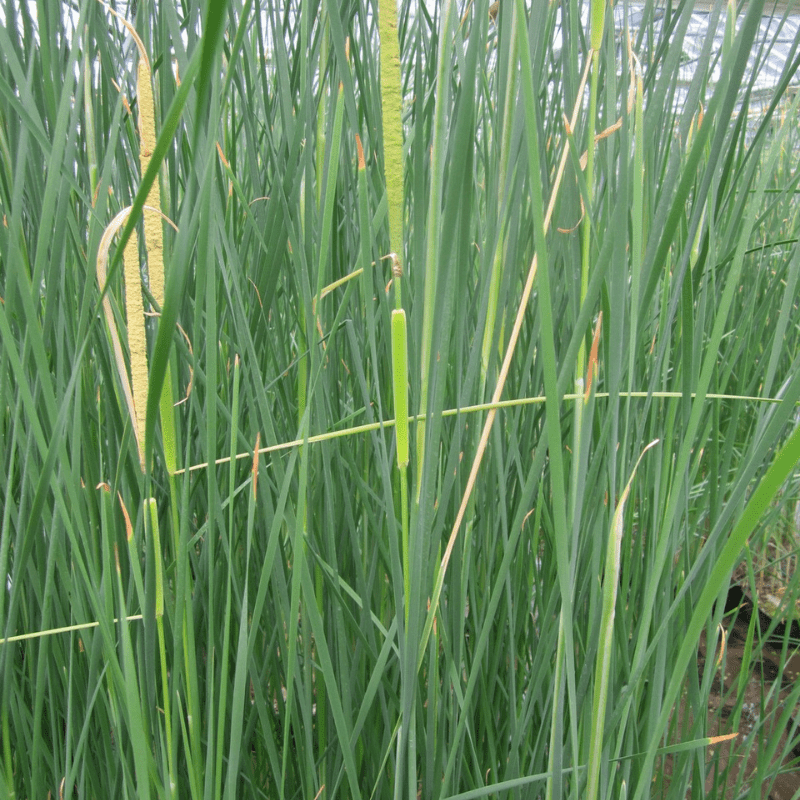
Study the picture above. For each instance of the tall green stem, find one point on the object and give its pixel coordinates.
(503, 177)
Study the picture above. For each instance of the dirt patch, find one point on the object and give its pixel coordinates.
(762, 704)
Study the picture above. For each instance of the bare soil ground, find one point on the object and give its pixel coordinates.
(752, 705)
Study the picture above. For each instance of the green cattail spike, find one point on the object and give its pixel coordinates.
(400, 384)
(598, 23)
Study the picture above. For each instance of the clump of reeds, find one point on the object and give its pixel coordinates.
(269, 610)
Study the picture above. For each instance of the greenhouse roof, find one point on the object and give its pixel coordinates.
(778, 43)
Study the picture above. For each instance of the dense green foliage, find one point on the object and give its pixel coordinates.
(301, 624)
